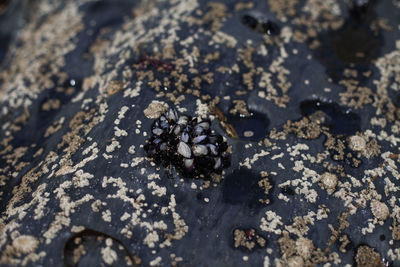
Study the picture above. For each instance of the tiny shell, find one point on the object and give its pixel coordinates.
(184, 149)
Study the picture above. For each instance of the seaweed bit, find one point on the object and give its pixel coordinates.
(188, 145)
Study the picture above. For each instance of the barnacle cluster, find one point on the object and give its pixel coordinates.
(188, 145)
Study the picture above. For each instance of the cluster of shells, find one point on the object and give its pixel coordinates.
(188, 145)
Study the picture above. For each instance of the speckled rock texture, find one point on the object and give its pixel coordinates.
(305, 92)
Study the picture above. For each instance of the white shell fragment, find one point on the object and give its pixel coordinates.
(184, 150)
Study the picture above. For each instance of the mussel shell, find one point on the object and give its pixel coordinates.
(183, 120)
(164, 125)
(218, 163)
(189, 164)
(199, 139)
(184, 150)
(172, 115)
(200, 150)
(213, 149)
(163, 146)
(185, 137)
(176, 129)
(198, 130)
(158, 131)
(204, 124)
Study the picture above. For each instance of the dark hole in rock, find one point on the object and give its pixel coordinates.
(253, 127)
(241, 187)
(382, 237)
(259, 23)
(339, 120)
(85, 249)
